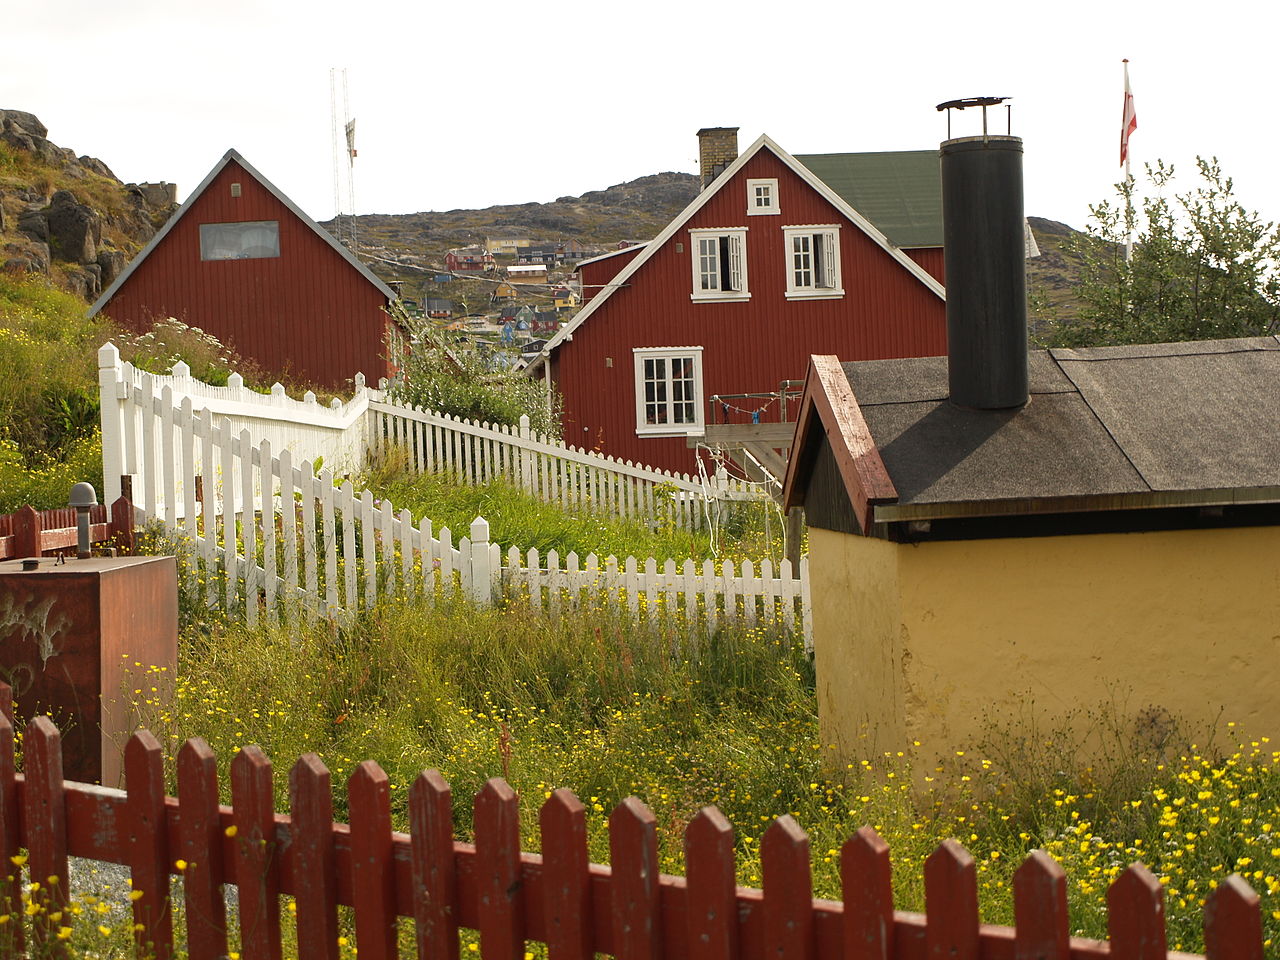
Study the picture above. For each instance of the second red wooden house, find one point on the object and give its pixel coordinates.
(768, 265)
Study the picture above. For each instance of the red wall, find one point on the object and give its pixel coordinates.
(932, 260)
(594, 275)
(748, 347)
(307, 313)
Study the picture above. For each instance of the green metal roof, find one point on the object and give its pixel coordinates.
(899, 191)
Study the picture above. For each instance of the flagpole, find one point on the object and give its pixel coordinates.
(1128, 176)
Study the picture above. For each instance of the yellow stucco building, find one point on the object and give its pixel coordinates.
(1113, 543)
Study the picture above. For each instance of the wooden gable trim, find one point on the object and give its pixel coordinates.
(230, 156)
(829, 399)
(660, 241)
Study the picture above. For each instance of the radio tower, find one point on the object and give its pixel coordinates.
(344, 155)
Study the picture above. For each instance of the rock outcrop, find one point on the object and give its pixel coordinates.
(74, 218)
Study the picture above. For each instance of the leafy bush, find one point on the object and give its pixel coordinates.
(439, 373)
(44, 481)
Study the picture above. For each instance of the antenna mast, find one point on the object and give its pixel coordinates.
(344, 148)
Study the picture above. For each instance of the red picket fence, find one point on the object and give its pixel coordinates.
(34, 533)
(560, 898)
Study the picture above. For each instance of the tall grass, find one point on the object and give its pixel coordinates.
(591, 702)
(521, 520)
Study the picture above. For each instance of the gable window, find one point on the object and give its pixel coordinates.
(813, 262)
(719, 264)
(249, 240)
(762, 197)
(668, 391)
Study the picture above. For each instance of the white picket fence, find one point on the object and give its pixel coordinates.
(574, 478)
(343, 435)
(688, 593)
(270, 536)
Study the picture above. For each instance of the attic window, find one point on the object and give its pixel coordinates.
(813, 262)
(762, 197)
(249, 240)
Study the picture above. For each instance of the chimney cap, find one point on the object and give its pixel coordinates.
(972, 102)
(717, 130)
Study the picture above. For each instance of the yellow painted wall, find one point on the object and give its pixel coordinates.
(929, 640)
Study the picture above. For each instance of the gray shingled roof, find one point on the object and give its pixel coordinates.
(1102, 421)
(899, 191)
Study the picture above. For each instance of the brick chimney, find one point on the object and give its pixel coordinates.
(717, 148)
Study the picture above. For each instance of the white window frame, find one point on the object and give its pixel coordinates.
(694, 428)
(763, 189)
(228, 241)
(734, 239)
(817, 276)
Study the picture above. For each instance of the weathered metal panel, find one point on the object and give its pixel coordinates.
(748, 347)
(306, 313)
(78, 638)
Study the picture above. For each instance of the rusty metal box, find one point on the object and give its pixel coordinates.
(77, 639)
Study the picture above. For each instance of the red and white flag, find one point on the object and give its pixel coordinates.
(1130, 121)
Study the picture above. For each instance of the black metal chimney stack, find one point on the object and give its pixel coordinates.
(985, 256)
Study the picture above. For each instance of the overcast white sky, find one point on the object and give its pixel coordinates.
(468, 104)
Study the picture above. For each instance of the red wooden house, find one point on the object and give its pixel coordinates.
(768, 265)
(240, 261)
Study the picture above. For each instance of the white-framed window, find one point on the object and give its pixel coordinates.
(669, 391)
(247, 240)
(813, 261)
(762, 197)
(719, 259)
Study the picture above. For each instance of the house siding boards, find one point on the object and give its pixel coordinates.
(932, 260)
(306, 313)
(748, 346)
(596, 274)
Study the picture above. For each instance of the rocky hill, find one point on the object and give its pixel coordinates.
(69, 216)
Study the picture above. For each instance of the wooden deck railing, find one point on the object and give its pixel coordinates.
(34, 533)
(577, 908)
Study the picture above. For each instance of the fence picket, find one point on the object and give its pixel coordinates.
(712, 912)
(866, 882)
(710, 595)
(329, 534)
(749, 592)
(566, 865)
(46, 830)
(386, 524)
(230, 549)
(147, 462)
(350, 596)
(370, 553)
(289, 536)
(190, 519)
(1043, 929)
(373, 882)
(1135, 915)
(429, 580)
(248, 531)
(256, 855)
(149, 849)
(10, 829)
(200, 851)
(633, 855)
(788, 891)
(501, 907)
(311, 850)
(209, 541)
(951, 903)
(168, 478)
(1233, 922)
(309, 560)
(435, 885)
(404, 527)
(268, 493)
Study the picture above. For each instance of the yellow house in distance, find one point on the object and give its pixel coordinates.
(1114, 539)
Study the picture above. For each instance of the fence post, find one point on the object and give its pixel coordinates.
(122, 525)
(109, 376)
(526, 482)
(481, 574)
(26, 532)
